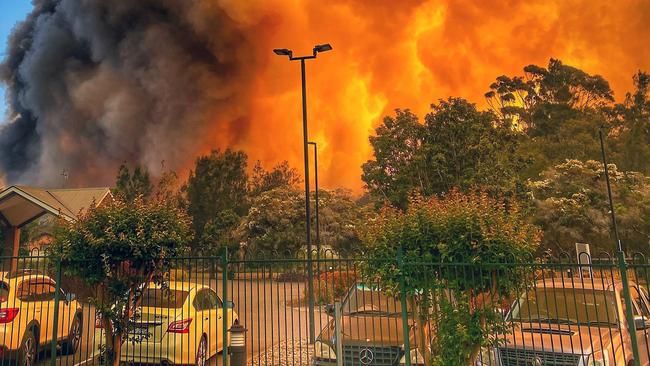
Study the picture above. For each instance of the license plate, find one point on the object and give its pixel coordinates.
(139, 331)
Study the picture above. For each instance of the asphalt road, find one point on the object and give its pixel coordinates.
(272, 312)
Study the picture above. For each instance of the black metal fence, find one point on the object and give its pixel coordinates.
(556, 313)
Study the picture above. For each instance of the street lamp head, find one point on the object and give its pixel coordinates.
(322, 48)
(283, 52)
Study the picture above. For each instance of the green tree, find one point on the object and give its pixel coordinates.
(219, 232)
(394, 171)
(130, 186)
(560, 109)
(341, 219)
(275, 223)
(632, 127)
(282, 175)
(117, 250)
(217, 183)
(458, 254)
(571, 205)
(457, 147)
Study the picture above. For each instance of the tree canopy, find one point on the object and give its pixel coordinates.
(452, 252)
(571, 206)
(458, 146)
(117, 250)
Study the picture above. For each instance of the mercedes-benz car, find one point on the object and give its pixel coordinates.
(573, 322)
(372, 331)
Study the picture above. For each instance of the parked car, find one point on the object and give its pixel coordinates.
(573, 322)
(27, 306)
(372, 331)
(180, 323)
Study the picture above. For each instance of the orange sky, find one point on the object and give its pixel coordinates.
(406, 54)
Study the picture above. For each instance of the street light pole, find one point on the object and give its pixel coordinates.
(310, 270)
(316, 198)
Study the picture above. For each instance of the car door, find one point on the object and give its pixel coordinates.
(639, 297)
(215, 321)
(202, 308)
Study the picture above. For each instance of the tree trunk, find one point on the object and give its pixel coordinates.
(420, 335)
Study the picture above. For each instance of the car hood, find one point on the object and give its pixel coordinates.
(371, 330)
(561, 338)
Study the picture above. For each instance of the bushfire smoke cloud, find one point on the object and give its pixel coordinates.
(95, 83)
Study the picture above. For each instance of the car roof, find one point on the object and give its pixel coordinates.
(9, 278)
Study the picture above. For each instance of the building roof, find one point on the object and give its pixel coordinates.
(20, 205)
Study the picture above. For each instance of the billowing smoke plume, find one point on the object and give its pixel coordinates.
(93, 83)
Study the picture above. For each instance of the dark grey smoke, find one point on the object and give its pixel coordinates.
(94, 83)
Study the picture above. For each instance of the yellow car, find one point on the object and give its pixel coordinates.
(27, 305)
(180, 324)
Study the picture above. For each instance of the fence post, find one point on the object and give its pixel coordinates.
(55, 320)
(224, 310)
(338, 333)
(622, 266)
(405, 316)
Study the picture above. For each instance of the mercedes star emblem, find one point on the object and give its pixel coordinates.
(537, 361)
(366, 356)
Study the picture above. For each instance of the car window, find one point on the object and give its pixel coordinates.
(215, 301)
(4, 292)
(36, 290)
(201, 301)
(641, 306)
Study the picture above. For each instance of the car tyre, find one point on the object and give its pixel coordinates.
(28, 350)
(71, 345)
(202, 352)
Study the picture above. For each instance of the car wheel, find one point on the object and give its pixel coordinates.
(202, 352)
(71, 345)
(28, 350)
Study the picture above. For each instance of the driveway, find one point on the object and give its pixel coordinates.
(274, 313)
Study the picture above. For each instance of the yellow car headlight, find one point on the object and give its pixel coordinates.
(486, 357)
(416, 358)
(324, 351)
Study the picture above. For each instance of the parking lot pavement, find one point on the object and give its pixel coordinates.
(274, 313)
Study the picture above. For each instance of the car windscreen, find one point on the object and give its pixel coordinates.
(4, 292)
(566, 306)
(163, 298)
(369, 300)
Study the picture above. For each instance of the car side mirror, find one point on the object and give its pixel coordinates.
(70, 297)
(229, 304)
(641, 322)
(329, 309)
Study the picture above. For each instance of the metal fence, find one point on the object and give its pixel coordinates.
(557, 313)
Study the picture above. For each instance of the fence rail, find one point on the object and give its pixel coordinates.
(556, 313)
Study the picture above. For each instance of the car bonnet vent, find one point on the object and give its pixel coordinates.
(548, 331)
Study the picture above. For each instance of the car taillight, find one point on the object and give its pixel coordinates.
(8, 315)
(180, 326)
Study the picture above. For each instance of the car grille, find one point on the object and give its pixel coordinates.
(382, 355)
(524, 357)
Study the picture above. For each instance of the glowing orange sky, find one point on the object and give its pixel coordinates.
(407, 54)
